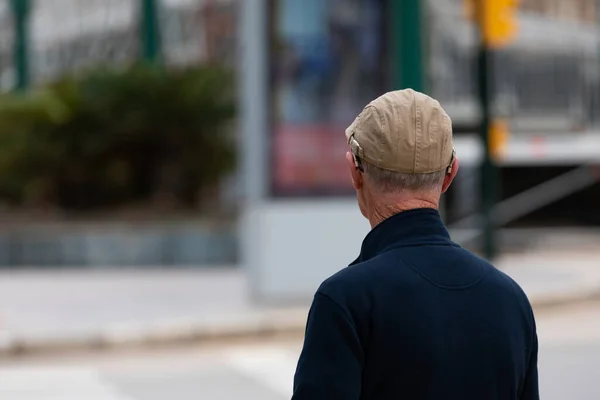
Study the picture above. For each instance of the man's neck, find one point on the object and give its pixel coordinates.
(381, 213)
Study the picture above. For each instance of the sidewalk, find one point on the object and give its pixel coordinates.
(50, 310)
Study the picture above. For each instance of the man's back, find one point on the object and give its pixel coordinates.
(418, 317)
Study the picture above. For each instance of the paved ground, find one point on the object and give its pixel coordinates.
(569, 359)
(60, 303)
(38, 306)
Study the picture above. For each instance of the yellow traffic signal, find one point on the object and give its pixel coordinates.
(497, 20)
(498, 135)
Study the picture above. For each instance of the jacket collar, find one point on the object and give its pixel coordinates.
(417, 227)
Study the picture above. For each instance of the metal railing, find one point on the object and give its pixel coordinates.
(66, 36)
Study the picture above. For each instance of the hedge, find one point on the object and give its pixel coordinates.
(110, 138)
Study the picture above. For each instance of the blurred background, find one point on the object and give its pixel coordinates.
(173, 187)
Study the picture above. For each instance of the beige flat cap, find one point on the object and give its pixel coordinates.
(403, 131)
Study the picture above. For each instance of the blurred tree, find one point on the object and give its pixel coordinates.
(118, 137)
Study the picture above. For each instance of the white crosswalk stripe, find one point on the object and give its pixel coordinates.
(578, 326)
(272, 367)
(55, 384)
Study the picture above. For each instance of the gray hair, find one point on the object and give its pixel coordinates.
(390, 181)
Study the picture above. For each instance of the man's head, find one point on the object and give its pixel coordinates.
(401, 154)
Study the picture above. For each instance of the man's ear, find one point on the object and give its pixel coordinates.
(450, 175)
(355, 174)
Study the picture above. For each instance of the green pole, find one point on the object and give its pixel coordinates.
(20, 9)
(489, 172)
(150, 31)
(407, 30)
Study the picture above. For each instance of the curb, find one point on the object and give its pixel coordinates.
(258, 326)
(588, 293)
(125, 336)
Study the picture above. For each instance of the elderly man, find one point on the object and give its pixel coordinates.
(415, 316)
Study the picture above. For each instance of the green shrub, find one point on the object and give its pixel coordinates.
(116, 137)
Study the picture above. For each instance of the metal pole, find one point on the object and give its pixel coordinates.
(408, 29)
(21, 11)
(489, 172)
(150, 31)
(254, 99)
(254, 135)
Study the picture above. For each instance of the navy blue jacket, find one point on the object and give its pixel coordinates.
(417, 317)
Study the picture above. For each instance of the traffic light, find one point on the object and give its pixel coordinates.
(498, 135)
(497, 20)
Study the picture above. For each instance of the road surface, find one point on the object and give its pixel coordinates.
(569, 368)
